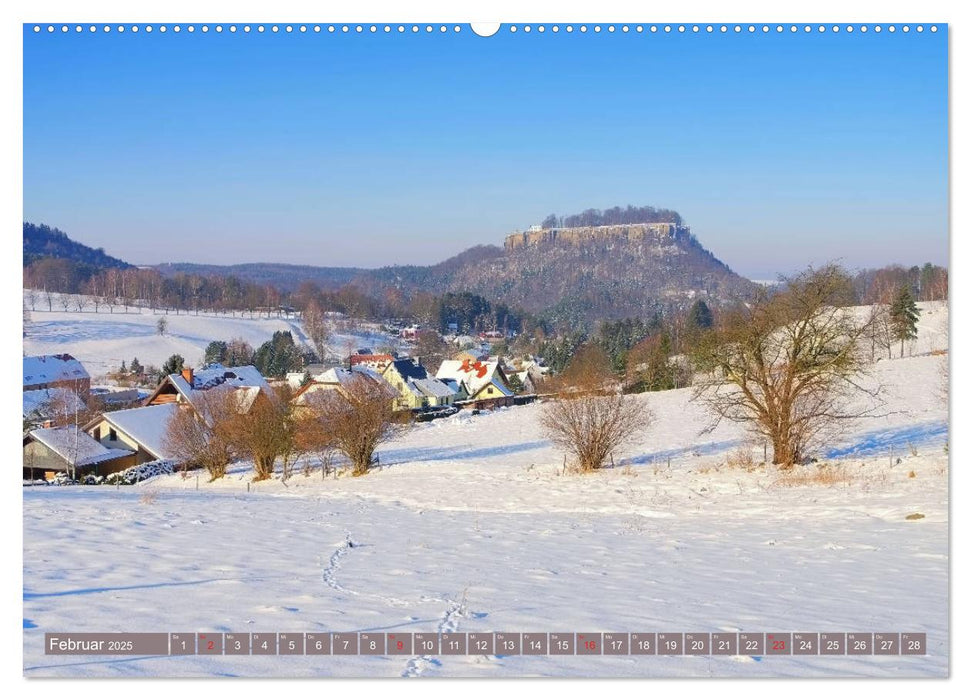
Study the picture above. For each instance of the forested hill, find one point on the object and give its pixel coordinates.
(283, 276)
(42, 241)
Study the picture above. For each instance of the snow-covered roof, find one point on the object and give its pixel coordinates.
(43, 402)
(69, 440)
(474, 375)
(341, 377)
(432, 387)
(215, 374)
(49, 369)
(145, 425)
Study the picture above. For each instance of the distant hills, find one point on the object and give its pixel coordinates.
(42, 241)
(592, 269)
(280, 275)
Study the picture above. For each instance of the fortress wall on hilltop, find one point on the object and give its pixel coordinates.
(589, 234)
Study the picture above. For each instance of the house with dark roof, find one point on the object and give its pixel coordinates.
(416, 388)
(186, 386)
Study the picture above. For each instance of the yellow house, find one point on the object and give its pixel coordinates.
(415, 388)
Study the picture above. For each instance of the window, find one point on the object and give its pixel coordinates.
(97, 434)
(490, 390)
(112, 434)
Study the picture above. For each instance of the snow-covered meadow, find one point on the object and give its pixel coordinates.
(469, 526)
(102, 340)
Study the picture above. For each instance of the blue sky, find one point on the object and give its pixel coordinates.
(779, 150)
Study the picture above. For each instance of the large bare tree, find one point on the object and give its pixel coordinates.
(357, 417)
(790, 364)
(265, 430)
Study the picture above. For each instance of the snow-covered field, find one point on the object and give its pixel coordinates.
(469, 526)
(102, 340)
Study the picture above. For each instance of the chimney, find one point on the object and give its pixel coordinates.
(187, 374)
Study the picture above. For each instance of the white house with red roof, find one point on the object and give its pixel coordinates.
(478, 381)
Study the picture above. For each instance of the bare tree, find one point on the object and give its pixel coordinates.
(313, 437)
(590, 419)
(358, 417)
(264, 430)
(939, 286)
(591, 427)
(880, 330)
(201, 435)
(790, 364)
(430, 349)
(315, 325)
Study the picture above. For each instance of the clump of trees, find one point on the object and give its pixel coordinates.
(278, 356)
(927, 282)
(234, 353)
(788, 363)
(614, 215)
(590, 419)
(174, 365)
(224, 423)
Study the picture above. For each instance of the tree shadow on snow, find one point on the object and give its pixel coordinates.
(441, 454)
(879, 442)
(708, 448)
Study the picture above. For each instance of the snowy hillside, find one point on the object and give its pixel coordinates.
(102, 340)
(468, 526)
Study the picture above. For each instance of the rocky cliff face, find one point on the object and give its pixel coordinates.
(631, 233)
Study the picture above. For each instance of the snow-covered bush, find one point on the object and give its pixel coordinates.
(140, 472)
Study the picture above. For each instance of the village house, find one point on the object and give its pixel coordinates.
(472, 355)
(142, 430)
(50, 371)
(480, 384)
(416, 389)
(375, 361)
(46, 407)
(338, 379)
(68, 450)
(182, 387)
